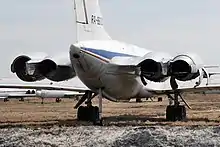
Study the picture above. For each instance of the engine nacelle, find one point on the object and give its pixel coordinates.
(185, 66)
(19, 67)
(33, 69)
(154, 66)
(54, 72)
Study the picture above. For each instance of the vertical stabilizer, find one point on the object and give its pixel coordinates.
(89, 21)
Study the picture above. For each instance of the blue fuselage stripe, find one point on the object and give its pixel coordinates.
(106, 54)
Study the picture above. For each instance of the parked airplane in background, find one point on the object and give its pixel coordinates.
(57, 94)
(113, 69)
(41, 91)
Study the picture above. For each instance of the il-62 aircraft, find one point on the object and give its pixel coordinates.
(114, 70)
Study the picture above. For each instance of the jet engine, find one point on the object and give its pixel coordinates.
(19, 67)
(185, 67)
(32, 69)
(54, 71)
(154, 66)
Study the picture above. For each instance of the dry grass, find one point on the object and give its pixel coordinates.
(205, 111)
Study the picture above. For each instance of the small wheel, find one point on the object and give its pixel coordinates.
(180, 113)
(138, 100)
(98, 123)
(160, 99)
(101, 122)
(96, 118)
(58, 100)
(95, 114)
(81, 113)
(176, 113)
(22, 99)
(169, 113)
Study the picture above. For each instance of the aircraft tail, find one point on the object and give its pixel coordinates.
(89, 21)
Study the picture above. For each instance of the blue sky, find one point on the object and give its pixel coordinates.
(171, 25)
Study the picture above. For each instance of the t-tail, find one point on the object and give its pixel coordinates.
(89, 21)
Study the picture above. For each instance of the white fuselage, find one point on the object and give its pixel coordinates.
(93, 68)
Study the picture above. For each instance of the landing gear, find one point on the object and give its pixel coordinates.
(42, 100)
(99, 121)
(58, 100)
(138, 100)
(159, 99)
(22, 99)
(6, 99)
(89, 112)
(176, 112)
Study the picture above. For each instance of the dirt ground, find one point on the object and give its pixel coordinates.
(205, 111)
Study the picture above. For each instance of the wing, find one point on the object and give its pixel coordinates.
(41, 94)
(15, 95)
(71, 85)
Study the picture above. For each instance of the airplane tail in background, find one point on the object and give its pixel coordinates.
(89, 21)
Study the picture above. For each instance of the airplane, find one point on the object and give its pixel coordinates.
(113, 69)
(7, 94)
(31, 90)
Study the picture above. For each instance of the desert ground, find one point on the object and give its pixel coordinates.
(205, 111)
(31, 123)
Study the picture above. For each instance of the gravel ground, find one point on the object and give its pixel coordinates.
(110, 136)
